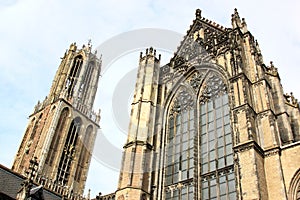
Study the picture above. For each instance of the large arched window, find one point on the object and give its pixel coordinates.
(68, 151)
(85, 153)
(180, 147)
(52, 153)
(199, 148)
(216, 149)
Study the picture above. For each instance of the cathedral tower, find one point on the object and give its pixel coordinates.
(138, 149)
(214, 123)
(62, 128)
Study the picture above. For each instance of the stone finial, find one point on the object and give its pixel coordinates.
(98, 116)
(257, 47)
(198, 14)
(73, 47)
(151, 51)
(89, 194)
(235, 19)
(244, 25)
(236, 12)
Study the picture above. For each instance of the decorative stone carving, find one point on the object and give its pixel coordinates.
(291, 99)
(272, 70)
(214, 87)
(183, 101)
(196, 80)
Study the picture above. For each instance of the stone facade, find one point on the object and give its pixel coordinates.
(62, 129)
(214, 123)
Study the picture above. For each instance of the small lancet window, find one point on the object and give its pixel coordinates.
(86, 81)
(73, 75)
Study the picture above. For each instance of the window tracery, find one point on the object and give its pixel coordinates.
(69, 151)
(215, 150)
(57, 134)
(73, 75)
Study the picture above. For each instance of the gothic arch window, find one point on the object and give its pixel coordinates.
(86, 81)
(73, 75)
(69, 151)
(217, 178)
(26, 145)
(35, 127)
(199, 148)
(57, 135)
(180, 147)
(85, 153)
(294, 191)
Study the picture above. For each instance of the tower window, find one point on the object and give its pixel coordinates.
(69, 151)
(56, 137)
(85, 153)
(73, 75)
(86, 81)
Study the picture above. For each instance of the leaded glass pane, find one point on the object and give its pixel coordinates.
(213, 132)
(216, 150)
(180, 148)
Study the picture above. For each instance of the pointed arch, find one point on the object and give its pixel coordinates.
(205, 89)
(61, 124)
(85, 153)
(86, 80)
(73, 75)
(68, 153)
(36, 126)
(215, 140)
(179, 144)
(294, 191)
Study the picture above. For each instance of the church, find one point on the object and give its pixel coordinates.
(213, 123)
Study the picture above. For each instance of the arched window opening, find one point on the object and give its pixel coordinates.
(294, 191)
(35, 127)
(26, 149)
(73, 75)
(86, 81)
(85, 153)
(216, 148)
(68, 153)
(56, 137)
(199, 147)
(180, 147)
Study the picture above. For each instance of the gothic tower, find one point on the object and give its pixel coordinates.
(62, 129)
(139, 145)
(214, 123)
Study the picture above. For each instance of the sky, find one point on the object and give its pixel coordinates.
(35, 34)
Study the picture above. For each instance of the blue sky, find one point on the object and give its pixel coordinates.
(35, 34)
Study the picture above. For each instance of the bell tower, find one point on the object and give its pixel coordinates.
(62, 128)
